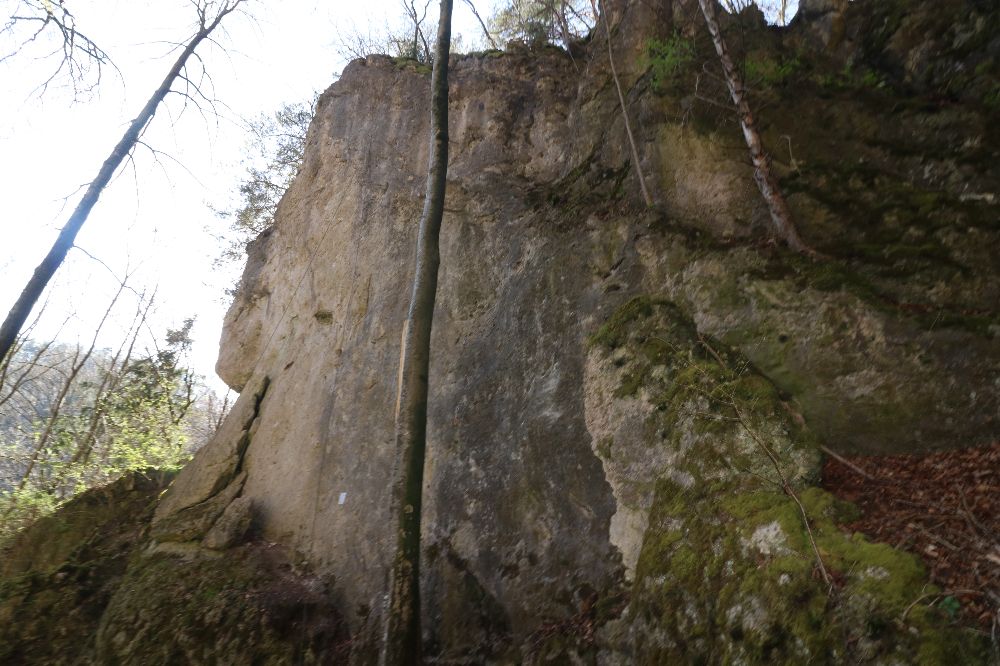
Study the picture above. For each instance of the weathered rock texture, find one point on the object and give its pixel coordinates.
(618, 395)
(80, 587)
(57, 577)
(547, 455)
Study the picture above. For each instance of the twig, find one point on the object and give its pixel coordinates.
(939, 595)
(482, 24)
(977, 527)
(715, 354)
(787, 488)
(793, 162)
(836, 456)
(934, 537)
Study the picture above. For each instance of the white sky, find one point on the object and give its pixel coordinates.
(154, 218)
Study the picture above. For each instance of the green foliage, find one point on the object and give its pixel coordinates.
(277, 143)
(21, 507)
(614, 332)
(992, 98)
(871, 79)
(537, 22)
(112, 419)
(770, 72)
(851, 78)
(669, 57)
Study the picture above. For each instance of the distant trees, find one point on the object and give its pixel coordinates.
(779, 12)
(407, 39)
(210, 14)
(542, 21)
(75, 416)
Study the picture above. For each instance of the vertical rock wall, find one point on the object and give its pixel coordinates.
(545, 448)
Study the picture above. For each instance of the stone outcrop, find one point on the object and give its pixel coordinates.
(82, 587)
(542, 468)
(626, 404)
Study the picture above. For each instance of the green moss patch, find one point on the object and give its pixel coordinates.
(57, 576)
(728, 571)
(248, 606)
(74, 588)
(732, 577)
(707, 403)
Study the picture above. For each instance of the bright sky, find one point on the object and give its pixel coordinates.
(155, 218)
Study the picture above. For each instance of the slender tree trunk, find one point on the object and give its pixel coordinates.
(43, 273)
(401, 639)
(781, 216)
(109, 384)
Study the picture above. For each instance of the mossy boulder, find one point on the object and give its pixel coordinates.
(82, 587)
(246, 606)
(57, 576)
(666, 402)
(741, 557)
(734, 576)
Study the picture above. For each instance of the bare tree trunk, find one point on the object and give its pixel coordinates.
(43, 273)
(110, 381)
(401, 639)
(621, 100)
(781, 216)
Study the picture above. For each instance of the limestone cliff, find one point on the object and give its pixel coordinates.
(620, 396)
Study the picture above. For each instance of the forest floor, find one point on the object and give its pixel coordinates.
(945, 508)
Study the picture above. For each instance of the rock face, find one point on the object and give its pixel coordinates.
(81, 587)
(616, 393)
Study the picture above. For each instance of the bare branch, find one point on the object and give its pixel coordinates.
(122, 151)
(482, 24)
(77, 56)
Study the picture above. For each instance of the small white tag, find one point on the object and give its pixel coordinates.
(343, 498)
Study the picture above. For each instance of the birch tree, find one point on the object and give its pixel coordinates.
(781, 216)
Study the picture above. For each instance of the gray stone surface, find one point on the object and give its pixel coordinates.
(232, 526)
(542, 242)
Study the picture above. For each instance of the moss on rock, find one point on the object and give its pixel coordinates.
(57, 576)
(75, 589)
(732, 577)
(742, 560)
(248, 606)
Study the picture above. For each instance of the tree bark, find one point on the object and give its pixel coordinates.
(43, 273)
(781, 216)
(401, 639)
